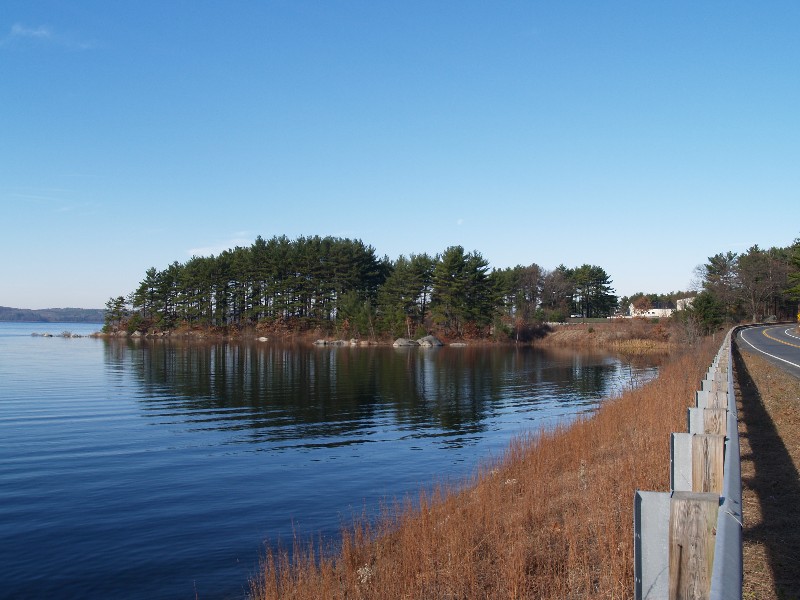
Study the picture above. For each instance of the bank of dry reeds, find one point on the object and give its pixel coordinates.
(625, 335)
(553, 519)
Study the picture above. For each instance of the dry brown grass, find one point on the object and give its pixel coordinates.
(769, 426)
(553, 519)
(627, 335)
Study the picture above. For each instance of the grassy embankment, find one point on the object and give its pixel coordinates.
(553, 519)
(623, 335)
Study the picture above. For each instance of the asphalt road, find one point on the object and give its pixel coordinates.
(779, 344)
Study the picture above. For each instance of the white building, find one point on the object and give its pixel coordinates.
(682, 304)
(651, 312)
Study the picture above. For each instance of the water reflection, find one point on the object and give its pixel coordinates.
(309, 396)
(158, 469)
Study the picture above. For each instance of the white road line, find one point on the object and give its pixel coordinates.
(792, 334)
(741, 334)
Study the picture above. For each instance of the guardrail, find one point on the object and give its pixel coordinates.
(688, 542)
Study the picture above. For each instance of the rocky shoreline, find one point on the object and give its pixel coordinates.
(428, 341)
(63, 334)
(635, 336)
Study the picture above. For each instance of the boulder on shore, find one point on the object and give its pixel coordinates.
(322, 342)
(429, 341)
(403, 342)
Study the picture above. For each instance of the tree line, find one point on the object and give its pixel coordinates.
(756, 285)
(52, 315)
(341, 286)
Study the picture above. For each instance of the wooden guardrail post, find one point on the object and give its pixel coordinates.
(697, 462)
(706, 399)
(716, 383)
(708, 457)
(677, 534)
(718, 400)
(715, 421)
(707, 420)
(692, 533)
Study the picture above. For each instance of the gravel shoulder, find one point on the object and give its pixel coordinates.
(769, 429)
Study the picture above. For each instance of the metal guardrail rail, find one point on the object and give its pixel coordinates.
(688, 542)
(726, 578)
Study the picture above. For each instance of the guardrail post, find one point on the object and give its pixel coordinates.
(706, 399)
(707, 420)
(677, 535)
(715, 421)
(714, 383)
(718, 399)
(692, 533)
(697, 462)
(708, 458)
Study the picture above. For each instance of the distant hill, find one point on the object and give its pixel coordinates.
(53, 315)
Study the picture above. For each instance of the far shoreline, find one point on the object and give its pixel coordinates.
(630, 336)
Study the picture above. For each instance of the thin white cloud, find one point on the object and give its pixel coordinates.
(36, 196)
(20, 34)
(459, 222)
(218, 248)
(51, 200)
(39, 33)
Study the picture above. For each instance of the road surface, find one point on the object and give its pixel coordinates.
(779, 344)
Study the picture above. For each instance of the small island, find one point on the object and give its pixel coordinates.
(338, 288)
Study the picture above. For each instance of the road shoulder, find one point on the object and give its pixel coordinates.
(769, 428)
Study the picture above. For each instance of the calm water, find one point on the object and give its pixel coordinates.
(160, 469)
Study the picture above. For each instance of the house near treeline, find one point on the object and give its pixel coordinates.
(659, 312)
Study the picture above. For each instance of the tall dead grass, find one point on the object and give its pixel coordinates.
(553, 519)
(630, 335)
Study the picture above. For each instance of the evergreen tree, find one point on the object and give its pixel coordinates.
(462, 292)
(558, 291)
(594, 296)
(720, 279)
(762, 276)
(116, 313)
(405, 294)
(793, 276)
(708, 312)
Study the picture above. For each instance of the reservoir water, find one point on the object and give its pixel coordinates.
(161, 469)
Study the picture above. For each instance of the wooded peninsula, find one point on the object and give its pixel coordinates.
(339, 286)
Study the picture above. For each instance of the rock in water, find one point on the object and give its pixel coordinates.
(429, 341)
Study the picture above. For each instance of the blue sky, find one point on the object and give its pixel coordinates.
(642, 137)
